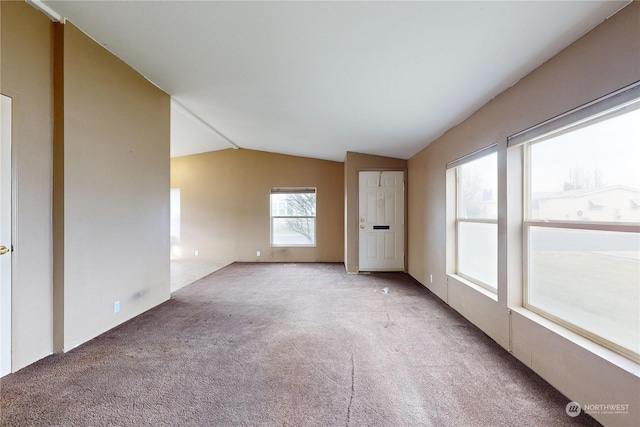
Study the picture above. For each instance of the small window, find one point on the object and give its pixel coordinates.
(476, 222)
(293, 217)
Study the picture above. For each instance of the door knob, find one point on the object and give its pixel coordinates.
(3, 250)
(361, 226)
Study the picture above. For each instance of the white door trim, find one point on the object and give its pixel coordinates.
(5, 234)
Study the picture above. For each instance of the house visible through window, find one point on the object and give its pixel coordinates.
(293, 217)
(476, 222)
(581, 227)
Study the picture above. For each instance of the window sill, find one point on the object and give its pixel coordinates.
(593, 347)
(484, 291)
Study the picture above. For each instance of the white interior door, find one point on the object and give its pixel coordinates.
(381, 221)
(5, 235)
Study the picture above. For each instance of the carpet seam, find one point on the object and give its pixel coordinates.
(353, 377)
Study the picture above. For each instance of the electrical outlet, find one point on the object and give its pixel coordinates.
(257, 253)
(116, 306)
(196, 253)
(431, 278)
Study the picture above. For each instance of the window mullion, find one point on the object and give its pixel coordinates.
(479, 220)
(599, 226)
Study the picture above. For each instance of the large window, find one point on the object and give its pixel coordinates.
(477, 218)
(582, 222)
(293, 217)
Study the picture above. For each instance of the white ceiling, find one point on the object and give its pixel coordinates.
(317, 79)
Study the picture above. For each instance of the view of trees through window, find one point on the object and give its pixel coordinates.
(293, 217)
(589, 174)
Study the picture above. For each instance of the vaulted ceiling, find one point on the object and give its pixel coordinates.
(317, 79)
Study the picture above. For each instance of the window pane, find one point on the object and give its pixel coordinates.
(478, 252)
(590, 173)
(293, 204)
(299, 208)
(294, 231)
(588, 278)
(478, 188)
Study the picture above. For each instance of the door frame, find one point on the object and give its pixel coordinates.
(406, 216)
(6, 225)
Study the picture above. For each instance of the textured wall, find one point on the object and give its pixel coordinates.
(110, 185)
(27, 61)
(116, 190)
(225, 205)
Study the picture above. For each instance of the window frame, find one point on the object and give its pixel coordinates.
(293, 190)
(600, 109)
(455, 165)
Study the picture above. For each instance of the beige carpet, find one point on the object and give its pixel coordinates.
(288, 345)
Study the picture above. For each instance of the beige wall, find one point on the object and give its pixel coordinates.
(602, 61)
(27, 43)
(116, 190)
(225, 205)
(354, 163)
(209, 191)
(111, 180)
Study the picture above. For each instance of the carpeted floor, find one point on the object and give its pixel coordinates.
(184, 273)
(288, 345)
